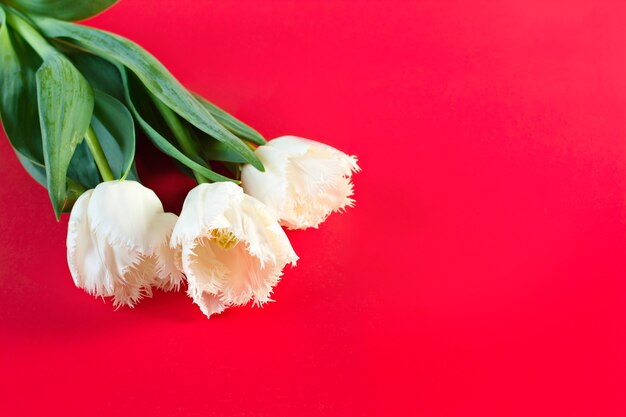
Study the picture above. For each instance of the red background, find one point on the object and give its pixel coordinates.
(482, 272)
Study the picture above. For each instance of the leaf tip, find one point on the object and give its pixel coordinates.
(258, 165)
(58, 209)
(260, 139)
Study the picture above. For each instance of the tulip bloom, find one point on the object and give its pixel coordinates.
(304, 181)
(232, 248)
(118, 243)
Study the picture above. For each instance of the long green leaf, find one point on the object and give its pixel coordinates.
(157, 138)
(18, 100)
(101, 74)
(213, 150)
(115, 130)
(65, 102)
(112, 121)
(19, 112)
(37, 171)
(62, 9)
(152, 74)
(114, 127)
(231, 123)
(18, 93)
(83, 168)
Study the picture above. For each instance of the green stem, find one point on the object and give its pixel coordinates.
(181, 133)
(30, 34)
(74, 190)
(98, 155)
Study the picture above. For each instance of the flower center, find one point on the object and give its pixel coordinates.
(224, 238)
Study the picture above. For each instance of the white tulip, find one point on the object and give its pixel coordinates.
(304, 181)
(232, 248)
(118, 243)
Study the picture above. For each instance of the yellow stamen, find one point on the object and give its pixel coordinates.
(224, 238)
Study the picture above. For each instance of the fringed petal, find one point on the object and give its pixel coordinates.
(168, 269)
(83, 258)
(204, 210)
(304, 181)
(118, 243)
(209, 303)
(237, 250)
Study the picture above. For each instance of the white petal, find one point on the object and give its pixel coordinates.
(304, 181)
(201, 266)
(209, 303)
(294, 145)
(86, 265)
(264, 236)
(117, 243)
(96, 266)
(204, 209)
(168, 269)
(232, 245)
(126, 213)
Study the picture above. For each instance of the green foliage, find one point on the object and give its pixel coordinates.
(231, 123)
(62, 9)
(83, 168)
(115, 130)
(18, 95)
(156, 130)
(59, 81)
(114, 127)
(101, 74)
(152, 74)
(65, 101)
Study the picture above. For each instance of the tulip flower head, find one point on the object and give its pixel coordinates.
(304, 181)
(118, 243)
(232, 248)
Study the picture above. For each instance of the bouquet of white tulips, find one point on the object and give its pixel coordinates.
(72, 99)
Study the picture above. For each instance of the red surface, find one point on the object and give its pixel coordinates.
(482, 272)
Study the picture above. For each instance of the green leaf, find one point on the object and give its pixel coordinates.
(101, 74)
(115, 130)
(20, 116)
(74, 190)
(62, 9)
(18, 94)
(83, 168)
(65, 102)
(213, 150)
(231, 123)
(112, 121)
(37, 171)
(152, 74)
(158, 138)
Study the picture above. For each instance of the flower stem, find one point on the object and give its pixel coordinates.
(181, 133)
(74, 190)
(98, 155)
(30, 34)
